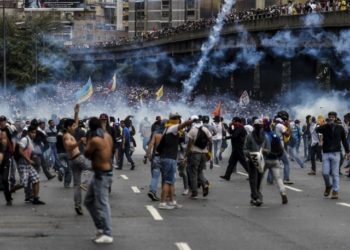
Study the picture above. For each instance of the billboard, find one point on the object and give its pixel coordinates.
(53, 4)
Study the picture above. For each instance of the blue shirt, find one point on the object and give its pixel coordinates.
(126, 134)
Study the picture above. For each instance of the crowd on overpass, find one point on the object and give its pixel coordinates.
(312, 6)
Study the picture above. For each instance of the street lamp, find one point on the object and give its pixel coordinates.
(4, 44)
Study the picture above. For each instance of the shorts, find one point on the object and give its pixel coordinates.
(27, 174)
(168, 170)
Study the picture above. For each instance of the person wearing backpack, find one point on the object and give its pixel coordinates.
(293, 142)
(199, 144)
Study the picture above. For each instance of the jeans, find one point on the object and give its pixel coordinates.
(286, 167)
(155, 171)
(145, 141)
(97, 202)
(78, 165)
(255, 178)
(121, 153)
(183, 173)
(4, 174)
(54, 156)
(197, 164)
(293, 154)
(307, 146)
(330, 162)
(217, 149)
(274, 167)
(315, 150)
(65, 168)
(168, 170)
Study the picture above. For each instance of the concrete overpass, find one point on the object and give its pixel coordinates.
(190, 42)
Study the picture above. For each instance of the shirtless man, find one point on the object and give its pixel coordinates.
(5, 167)
(99, 151)
(77, 161)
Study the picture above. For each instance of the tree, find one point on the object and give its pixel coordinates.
(32, 55)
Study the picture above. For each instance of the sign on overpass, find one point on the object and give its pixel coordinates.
(43, 5)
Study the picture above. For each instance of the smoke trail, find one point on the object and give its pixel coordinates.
(206, 48)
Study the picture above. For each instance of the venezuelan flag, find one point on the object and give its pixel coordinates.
(85, 92)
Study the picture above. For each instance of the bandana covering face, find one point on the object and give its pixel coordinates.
(198, 124)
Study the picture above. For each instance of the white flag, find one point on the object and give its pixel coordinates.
(244, 99)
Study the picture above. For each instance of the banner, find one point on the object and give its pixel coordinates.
(33, 5)
(244, 99)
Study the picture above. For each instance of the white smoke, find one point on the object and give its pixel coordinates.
(207, 47)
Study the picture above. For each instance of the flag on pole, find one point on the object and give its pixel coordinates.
(113, 84)
(217, 110)
(160, 93)
(85, 92)
(244, 99)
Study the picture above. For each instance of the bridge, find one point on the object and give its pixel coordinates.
(190, 42)
(270, 76)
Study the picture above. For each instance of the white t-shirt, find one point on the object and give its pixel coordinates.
(218, 130)
(192, 134)
(280, 129)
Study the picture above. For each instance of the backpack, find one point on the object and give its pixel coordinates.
(276, 147)
(201, 139)
(294, 137)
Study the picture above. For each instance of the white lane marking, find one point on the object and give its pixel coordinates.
(182, 246)
(241, 173)
(217, 166)
(154, 212)
(135, 189)
(124, 177)
(343, 204)
(294, 189)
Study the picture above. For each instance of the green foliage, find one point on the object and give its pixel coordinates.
(30, 50)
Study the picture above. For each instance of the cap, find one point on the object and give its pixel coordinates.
(3, 118)
(258, 122)
(194, 117)
(174, 115)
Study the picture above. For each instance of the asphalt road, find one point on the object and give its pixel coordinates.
(224, 220)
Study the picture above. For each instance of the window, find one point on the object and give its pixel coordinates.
(164, 25)
(165, 4)
(140, 15)
(190, 4)
(190, 13)
(139, 5)
(89, 37)
(89, 26)
(165, 13)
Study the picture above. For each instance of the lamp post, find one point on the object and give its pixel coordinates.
(4, 45)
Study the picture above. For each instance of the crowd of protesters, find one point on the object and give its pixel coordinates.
(235, 16)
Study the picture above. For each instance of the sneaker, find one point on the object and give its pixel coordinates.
(132, 167)
(194, 196)
(60, 176)
(327, 191)
(256, 202)
(28, 200)
(98, 234)
(312, 173)
(185, 192)
(288, 182)
(165, 206)
(334, 195)
(224, 177)
(118, 168)
(284, 199)
(36, 201)
(51, 177)
(175, 205)
(9, 203)
(205, 191)
(104, 239)
(78, 210)
(152, 196)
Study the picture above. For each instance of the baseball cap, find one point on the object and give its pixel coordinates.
(3, 118)
(258, 122)
(174, 115)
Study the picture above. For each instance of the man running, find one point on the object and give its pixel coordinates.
(99, 151)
